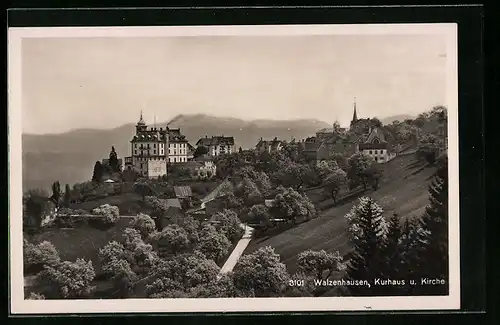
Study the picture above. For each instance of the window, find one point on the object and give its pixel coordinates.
(135, 152)
(148, 145)
(135, 145)
(154, 145)
(376, 158)
(370, 152)
(175, 160)
(154, 152)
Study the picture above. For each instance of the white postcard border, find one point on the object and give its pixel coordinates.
(21, 306)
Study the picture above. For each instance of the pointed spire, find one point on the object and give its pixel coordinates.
(354, 115)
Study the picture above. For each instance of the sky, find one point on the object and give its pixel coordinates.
(72, 83)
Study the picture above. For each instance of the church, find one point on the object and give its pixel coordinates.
(363, 135)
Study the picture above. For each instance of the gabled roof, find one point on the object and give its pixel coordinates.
(374, 135)
(215, 141)
(183, 191)
(275, 143)
(172, 202)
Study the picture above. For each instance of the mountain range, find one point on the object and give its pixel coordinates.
(70, 157)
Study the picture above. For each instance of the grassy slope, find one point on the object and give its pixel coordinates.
(82, 242)
(403, 190)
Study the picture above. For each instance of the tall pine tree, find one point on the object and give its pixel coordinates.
(434, 234)
(113, 160)
(368, 232)
(98, 171)
(56, 193)
(67, 196)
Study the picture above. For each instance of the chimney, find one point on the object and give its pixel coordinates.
(260, 138)
(206, 136)
(161, 129)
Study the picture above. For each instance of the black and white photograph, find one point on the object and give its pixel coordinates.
(234, 168)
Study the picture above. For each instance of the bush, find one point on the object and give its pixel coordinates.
(35, 296)
(69, 279)
(38, 256)
(110, 213)
(144, 224)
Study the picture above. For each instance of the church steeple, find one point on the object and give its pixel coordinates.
(354, 115)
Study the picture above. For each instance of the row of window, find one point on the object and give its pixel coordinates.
(172, 145)
(376, 152)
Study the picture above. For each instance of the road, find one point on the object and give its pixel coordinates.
(237, 251)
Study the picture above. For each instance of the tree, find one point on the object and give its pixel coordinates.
(225, 188)
(69, 279)
(140, 255)
(240, 150)
(200, 151)
(173, 239)
(35, 207)
(144, 224)
(297, 175)
(110, 213)
(261, 273)
(376, 122)
(113, 160)
(320, 264)
(358, 164)
(215, 245)
(98, 172)
(35, 296)
(291, 205)
(142, 188)
(334, 182)
(227, 222)
(230, 201)
(190, 225)
(325, 168)
(368, 230)
(158, 207)
(67, 196)
(249, 192)
(260, 214)
(220, 287)
(392, 265)
(177, 276)
(435, 231)
(56, 193)
(37, 256)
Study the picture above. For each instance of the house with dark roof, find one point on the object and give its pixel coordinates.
(376, 146)
(217, 145)
(270, 146)
(173, 212)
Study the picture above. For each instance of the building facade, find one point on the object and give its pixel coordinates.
(270, 146)
(377, 147)
(217, 145)
(178, 146)
(151, 149)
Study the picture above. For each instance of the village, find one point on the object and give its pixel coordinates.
(212, 203)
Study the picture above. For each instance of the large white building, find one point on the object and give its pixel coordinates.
(151, 149)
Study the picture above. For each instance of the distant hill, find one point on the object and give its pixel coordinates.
(69, 157)
(400, 118)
